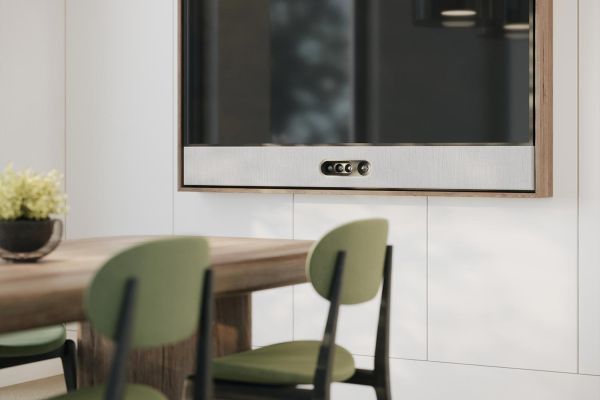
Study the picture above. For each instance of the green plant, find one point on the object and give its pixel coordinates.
(27, 195)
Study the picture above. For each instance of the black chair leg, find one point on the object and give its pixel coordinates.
(383, 392)
(382, 380)
(69, 364)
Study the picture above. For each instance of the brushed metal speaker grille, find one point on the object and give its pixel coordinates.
(494, 168)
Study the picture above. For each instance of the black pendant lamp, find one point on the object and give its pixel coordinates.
(451, 13)
(516, 17)
(511, 19)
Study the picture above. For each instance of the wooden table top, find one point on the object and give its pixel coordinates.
(51, 290)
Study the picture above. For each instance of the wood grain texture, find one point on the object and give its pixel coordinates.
(51, 291)
(544, 120)
(165, 368)
(358, 192)
(543, 131)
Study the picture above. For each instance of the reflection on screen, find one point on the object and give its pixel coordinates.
(312, 72)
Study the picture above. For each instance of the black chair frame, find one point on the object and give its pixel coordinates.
(68, 357)
(117, 379)
(378, 378)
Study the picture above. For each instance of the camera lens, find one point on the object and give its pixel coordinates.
(349, 168)
(339, 168)
(364, 167)
(327, 168)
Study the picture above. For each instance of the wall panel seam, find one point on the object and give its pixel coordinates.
(65, 116)
(578, 186)
(427, 278)
(175, 133)
(484, 366)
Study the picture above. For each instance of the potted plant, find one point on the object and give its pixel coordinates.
(27, 203)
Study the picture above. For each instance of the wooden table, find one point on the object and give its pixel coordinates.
(51, 291)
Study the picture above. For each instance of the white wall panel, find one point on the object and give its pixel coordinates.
(503, 284)
(421, 380)
(234, 214)
(503, 272)
(589, 189)
(272, 316)
(120, 117)
(248, 215)
(315, 215)
(417, 380)
(32, 84)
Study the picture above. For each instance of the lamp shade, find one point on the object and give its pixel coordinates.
(451, 13)
(511, 19)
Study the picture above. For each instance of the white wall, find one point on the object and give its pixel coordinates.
(493, 298)
(32, 84)
(32, 107)
(589, 187)
(120, 126)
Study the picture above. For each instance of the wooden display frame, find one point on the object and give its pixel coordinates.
(543, 130)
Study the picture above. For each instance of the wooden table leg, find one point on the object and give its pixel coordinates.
(166, 368)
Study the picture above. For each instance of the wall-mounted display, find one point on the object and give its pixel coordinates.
(400, 96)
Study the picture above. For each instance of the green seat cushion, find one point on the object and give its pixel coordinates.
(32, 342)
(132, 392)
(291, 363)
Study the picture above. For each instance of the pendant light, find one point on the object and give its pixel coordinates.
(450, 13)
(516, 16)
(511, 19)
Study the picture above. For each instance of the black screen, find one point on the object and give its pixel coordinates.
(311, 72)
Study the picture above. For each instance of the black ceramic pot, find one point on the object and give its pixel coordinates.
(24, 236)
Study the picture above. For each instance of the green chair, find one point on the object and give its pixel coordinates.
(346, 267)
(148, 296)
(24, 347)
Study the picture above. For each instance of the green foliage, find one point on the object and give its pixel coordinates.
(27, 195)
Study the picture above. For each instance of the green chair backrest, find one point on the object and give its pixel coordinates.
(364, 242)
(169, 274)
